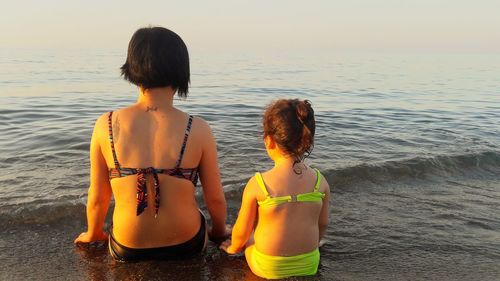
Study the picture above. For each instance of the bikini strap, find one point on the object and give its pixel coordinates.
(260, 183)
(186, 135)
(110, 130)
(318, 180)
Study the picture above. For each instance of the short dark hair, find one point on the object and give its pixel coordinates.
(290, 123)
(157, 57)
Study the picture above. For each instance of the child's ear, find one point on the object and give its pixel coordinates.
(270, 143)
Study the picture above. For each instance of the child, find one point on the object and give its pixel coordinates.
(285, 208)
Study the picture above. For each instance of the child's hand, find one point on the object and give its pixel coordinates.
(227, 247)
(322, 242)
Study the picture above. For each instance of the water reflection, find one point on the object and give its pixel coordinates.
(98, 265)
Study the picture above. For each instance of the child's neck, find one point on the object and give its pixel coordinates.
(283, 162)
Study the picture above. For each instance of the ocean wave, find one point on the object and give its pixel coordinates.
(418, 167)
(45, 213)
(443, 166)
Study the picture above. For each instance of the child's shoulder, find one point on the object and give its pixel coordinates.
(324, 186)
(255, 187)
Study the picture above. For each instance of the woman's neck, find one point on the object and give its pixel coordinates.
(156, 98)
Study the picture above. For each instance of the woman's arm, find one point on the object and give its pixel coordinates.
(245, 222)
(99, 194)
(213, 194)
(325, 210)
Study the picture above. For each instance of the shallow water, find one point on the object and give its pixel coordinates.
(409, 143)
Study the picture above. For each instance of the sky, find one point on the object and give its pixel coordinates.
(349, 25)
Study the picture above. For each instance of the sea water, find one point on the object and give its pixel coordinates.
(410, 144)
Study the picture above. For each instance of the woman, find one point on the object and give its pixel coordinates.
(148, 156)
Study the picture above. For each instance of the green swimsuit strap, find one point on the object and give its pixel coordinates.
(260, 183)
(318, 180)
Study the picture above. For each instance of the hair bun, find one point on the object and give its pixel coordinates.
(303, 109)
(290, 123)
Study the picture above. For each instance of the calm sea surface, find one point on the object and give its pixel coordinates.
(409, 143)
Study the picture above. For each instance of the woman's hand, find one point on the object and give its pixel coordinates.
(220, 235)
(85, 237)
(227, 247)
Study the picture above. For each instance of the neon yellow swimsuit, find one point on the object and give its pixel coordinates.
(314, 196)
(277, 267)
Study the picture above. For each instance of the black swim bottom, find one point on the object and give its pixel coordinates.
(188, 249)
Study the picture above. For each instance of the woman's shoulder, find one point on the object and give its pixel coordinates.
(104, 117)
(201, 126)
(200, 122)
(103, 120)
(107, 117)
(116, 115)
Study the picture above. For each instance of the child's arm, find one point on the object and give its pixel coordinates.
(325, 210)
(245, 222)
(99, 194)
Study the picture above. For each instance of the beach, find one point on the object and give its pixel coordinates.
(410, 145)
